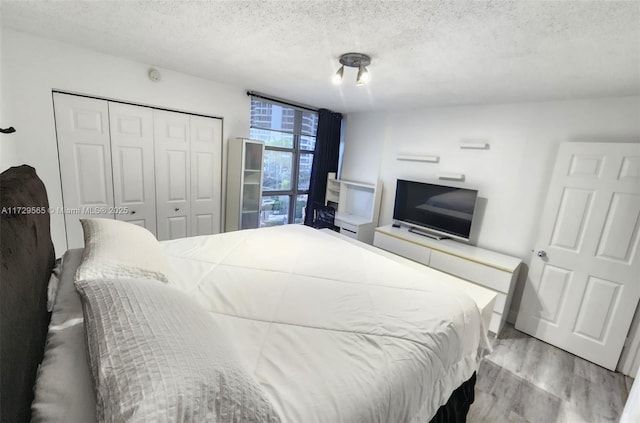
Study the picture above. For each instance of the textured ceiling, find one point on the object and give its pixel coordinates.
(424, 53)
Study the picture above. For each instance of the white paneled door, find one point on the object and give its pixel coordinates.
(584, 279)
(206, 175)
(155, 168)
(82, 126)
(133, 164)
(173, 174)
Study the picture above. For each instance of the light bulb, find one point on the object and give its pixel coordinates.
(337, 78)
(363, 76)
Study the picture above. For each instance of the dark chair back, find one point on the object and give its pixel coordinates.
(324, 217)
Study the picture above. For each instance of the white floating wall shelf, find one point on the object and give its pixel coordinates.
(451, 176)
(474, 144)
(411, 158)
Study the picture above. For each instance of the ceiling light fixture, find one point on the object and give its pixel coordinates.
(354, 60)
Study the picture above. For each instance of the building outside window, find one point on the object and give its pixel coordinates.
(289, 134)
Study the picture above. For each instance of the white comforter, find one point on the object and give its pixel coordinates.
(332, 332)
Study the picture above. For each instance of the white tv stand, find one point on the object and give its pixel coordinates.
(495, 271)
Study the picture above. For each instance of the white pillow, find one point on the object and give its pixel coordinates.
(116, 249)
(157, 356)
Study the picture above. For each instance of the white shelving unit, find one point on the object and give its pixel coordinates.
(244, 183)
(358, 209)
(333, 188)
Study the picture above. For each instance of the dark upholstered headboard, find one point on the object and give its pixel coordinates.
(27, 258)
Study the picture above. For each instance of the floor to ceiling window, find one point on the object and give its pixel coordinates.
(289, 134)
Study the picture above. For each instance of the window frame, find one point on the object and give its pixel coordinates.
(296, 151)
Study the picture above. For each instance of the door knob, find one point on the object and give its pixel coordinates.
(542, 254)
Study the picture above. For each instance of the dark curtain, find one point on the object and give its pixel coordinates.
(325, 159)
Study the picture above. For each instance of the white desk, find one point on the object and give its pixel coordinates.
(358, 208)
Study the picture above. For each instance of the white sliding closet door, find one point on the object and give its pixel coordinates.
(82, 126)
(133, 164)
(158, 169)
(172, 166)
(206, 175)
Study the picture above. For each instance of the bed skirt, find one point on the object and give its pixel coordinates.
(456, 409)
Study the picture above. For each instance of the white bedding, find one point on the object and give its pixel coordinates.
(156, 357)
(332, 332)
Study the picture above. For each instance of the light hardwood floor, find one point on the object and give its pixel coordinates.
(527, 380)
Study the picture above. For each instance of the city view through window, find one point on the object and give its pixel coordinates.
(290, 137)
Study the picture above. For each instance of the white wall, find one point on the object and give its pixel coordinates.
(32, 67)
(7, 141)
(631, 412)
(364, 139)
(512, 175)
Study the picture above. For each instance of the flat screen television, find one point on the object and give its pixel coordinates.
(435, 210)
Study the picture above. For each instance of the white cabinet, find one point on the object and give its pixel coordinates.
(162, 167)
(244, 183)
(358, 209)
(495, 271)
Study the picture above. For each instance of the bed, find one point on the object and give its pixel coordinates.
(308, 328)
(27, 258)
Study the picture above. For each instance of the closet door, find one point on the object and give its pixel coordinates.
(133, 164)
(172, 165)
(206, 175)
(82, 126)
